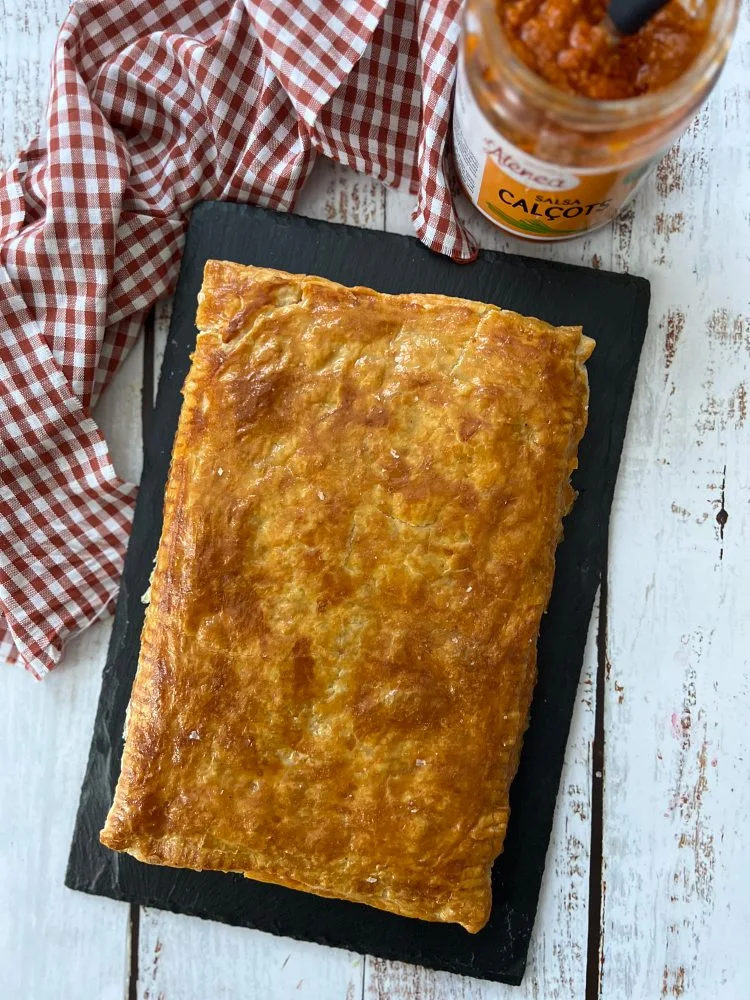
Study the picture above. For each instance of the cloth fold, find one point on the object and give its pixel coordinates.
(154, 107)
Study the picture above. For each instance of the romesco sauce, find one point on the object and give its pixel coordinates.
(557, 119)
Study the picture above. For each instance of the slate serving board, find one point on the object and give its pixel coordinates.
(613, 309)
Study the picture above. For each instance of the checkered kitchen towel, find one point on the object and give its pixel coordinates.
(154, 106)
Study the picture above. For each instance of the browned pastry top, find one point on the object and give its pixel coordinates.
(364, 502)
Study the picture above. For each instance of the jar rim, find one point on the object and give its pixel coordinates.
(600, 113)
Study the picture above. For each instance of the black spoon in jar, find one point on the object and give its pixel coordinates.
(626, 17)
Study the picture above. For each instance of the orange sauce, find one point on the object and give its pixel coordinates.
(566, 43)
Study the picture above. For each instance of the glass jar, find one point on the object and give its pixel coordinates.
(545, 164)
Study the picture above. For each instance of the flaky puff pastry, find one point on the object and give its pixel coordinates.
(365, 497)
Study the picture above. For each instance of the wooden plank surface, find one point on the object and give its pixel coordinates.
(54, 943)
(27, 37)
(189, 959)
(676, 914)
(675, 677)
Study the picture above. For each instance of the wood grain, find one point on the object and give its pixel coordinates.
(162, 318)
(337, 194)
(676, 909)
(185, 958)
(54, 943)
(27, 38)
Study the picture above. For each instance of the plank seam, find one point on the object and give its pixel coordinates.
(134, 928)
(597, 886)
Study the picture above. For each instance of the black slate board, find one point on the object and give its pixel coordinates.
(613, 309)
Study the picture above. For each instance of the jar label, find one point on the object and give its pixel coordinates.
(527, 196)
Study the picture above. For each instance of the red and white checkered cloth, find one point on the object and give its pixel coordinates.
(155, 106)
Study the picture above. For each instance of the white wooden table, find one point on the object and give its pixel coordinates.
(647, 887)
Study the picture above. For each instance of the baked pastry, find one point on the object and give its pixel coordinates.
(338, 657)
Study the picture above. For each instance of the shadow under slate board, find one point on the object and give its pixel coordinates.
(613, 309)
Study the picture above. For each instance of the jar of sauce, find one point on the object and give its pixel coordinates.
(557, 120)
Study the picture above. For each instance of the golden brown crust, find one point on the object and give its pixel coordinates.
(337, 662)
